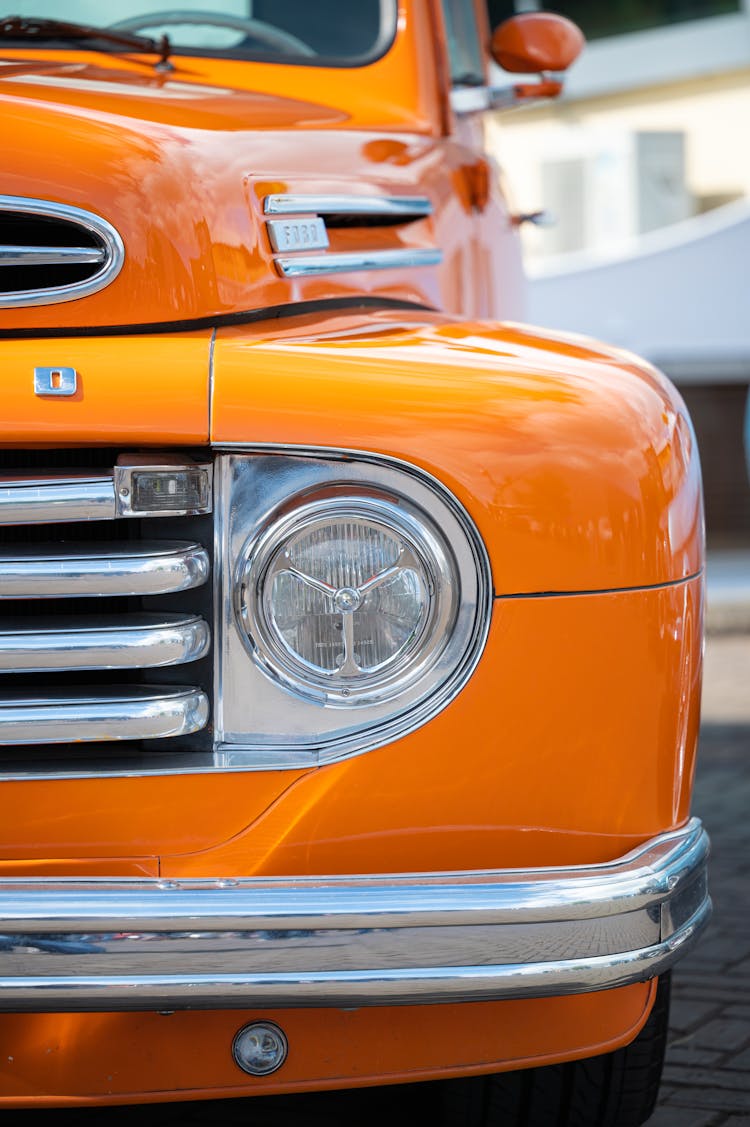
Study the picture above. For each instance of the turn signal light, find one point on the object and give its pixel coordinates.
(168, 490)
(152, 487)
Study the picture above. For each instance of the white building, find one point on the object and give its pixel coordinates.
(645, 163)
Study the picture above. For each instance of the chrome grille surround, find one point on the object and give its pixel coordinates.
(98, 257)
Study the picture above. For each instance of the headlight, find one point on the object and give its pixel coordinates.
(354, 598)
(350, 599)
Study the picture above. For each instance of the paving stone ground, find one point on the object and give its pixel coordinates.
(706, 1079)
(707, 1075)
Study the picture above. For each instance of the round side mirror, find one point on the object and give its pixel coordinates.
(536, 41)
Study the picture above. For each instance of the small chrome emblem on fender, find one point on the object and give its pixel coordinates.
(55, 381)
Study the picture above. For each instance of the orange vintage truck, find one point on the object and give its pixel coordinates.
(351, 635)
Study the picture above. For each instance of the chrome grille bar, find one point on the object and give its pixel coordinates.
(134, 713)
(102, 569)
(140, 641)
(50, 256)
(55, 498)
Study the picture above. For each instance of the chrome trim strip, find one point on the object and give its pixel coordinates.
(139, 641)
(64, 497)
(310, 265)
(102, 231)
(50, 256)
(101, 569)
(396, 207)
(134, 713)
(352, 940)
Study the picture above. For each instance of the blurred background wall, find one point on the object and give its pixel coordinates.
(644, 170)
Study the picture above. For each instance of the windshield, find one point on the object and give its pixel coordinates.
(312, 32)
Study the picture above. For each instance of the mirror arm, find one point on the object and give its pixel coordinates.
(521, 93)
(478, 99)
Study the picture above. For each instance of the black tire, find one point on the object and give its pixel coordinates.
(616, 1089)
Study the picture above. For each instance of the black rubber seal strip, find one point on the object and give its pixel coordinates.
(598, 590)
(219, 320)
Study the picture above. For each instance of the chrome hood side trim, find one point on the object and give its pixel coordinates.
(311, 265)
(398, 208)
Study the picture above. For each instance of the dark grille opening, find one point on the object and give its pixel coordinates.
(18, 229)
(93, 758)
(337, 220)
(25, 462)
(29, 279)
(68, 535)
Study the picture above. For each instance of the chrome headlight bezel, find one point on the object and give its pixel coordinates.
(270, 711)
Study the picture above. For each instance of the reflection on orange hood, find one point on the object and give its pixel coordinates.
(179, 166)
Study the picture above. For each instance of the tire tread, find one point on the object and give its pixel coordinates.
(617, 1089)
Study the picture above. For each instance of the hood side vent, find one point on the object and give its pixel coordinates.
(51, 252)
(300, 223)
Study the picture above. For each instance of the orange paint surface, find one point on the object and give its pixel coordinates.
(577, 464)
(536, 42)
(143, 390)
(208, 141)
(127, 1058)
(569, 745)
(81, 867)
(138, 818)
(581, 748)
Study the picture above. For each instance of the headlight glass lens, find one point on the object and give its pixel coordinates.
(376, 602)
(349, 597)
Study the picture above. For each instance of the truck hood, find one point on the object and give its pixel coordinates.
(180, 169)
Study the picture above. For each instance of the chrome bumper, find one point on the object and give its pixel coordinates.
(106, 945)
